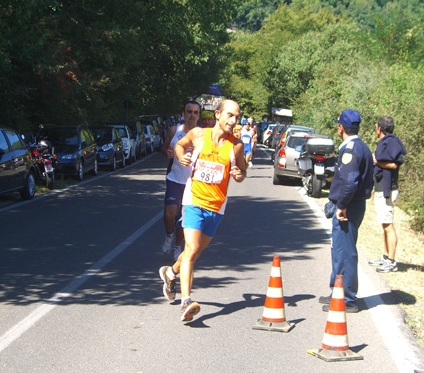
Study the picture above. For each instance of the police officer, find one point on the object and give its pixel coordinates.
(351, 187)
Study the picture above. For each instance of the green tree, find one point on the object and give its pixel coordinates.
(252, 14)
(68, 61)
(252, 55)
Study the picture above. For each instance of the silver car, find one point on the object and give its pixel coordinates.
(285, 159)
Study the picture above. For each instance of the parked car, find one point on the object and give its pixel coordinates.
(290, 129)
(153, 139)
(129, 143)
(266, 133)
(157, 122)
(110, 147)
(75, 148)
(17, 168)
(285, 162)
(139, 137)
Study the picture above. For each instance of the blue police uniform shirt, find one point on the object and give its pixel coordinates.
(353, 177)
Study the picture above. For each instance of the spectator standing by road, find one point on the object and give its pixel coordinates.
(217, 155)
(387, 158)
(176, 178)
(351, 187)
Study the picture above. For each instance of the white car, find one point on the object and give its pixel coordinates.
(265, 134)
(153, 139)
(130, 145)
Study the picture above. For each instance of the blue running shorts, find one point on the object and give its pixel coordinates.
(201, 219)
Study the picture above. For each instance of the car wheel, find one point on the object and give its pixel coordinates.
(28, 191)
(80, 171)
(113, 165)
(95, 169)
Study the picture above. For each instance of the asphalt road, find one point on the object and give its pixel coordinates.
(80, 291)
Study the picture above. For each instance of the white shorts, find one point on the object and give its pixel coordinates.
(385, 207)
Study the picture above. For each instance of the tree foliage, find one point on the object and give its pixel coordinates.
(76, 61)
(252, 13)
(321, 57)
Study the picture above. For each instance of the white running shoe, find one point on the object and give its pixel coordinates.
(168, 243)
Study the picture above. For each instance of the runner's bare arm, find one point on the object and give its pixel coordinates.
(192, 138)
(238, 172)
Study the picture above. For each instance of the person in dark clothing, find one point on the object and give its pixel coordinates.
(351, 187)
(388, 158)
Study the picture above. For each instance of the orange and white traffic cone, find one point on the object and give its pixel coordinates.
(273, 317)
(335, 345)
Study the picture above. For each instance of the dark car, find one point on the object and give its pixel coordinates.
(139, 137)
(17, 172)
(75, 148)
(110, 147)
(276, 134)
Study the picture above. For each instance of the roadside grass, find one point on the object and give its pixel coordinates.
(407, 284)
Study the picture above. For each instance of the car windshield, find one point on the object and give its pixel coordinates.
(102, 135)
(122, 132)
(294, 142)
(61, 135)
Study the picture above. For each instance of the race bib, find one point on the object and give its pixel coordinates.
(209, 172)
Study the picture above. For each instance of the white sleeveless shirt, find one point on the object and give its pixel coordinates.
(178, 174)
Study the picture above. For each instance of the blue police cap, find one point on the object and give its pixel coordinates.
(349, 118)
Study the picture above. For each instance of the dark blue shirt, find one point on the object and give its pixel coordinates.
(353, 177)
(389, 149)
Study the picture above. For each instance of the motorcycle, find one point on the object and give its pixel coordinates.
(316, 164)
(46, 161)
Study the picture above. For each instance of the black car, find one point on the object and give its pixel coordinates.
(17, 168)
(276, 134)
(110, 147)
(75, 148)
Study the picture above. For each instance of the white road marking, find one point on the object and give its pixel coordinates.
(15, 332)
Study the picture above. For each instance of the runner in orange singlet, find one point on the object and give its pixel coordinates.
(217, 155)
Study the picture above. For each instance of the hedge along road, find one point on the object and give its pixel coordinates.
(81, 291)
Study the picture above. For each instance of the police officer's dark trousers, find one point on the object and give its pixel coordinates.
(344, 254)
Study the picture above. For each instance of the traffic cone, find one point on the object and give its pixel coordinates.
(273, 317)
(335, 345)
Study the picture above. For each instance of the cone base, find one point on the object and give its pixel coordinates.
(331, 355)
(273, 326)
